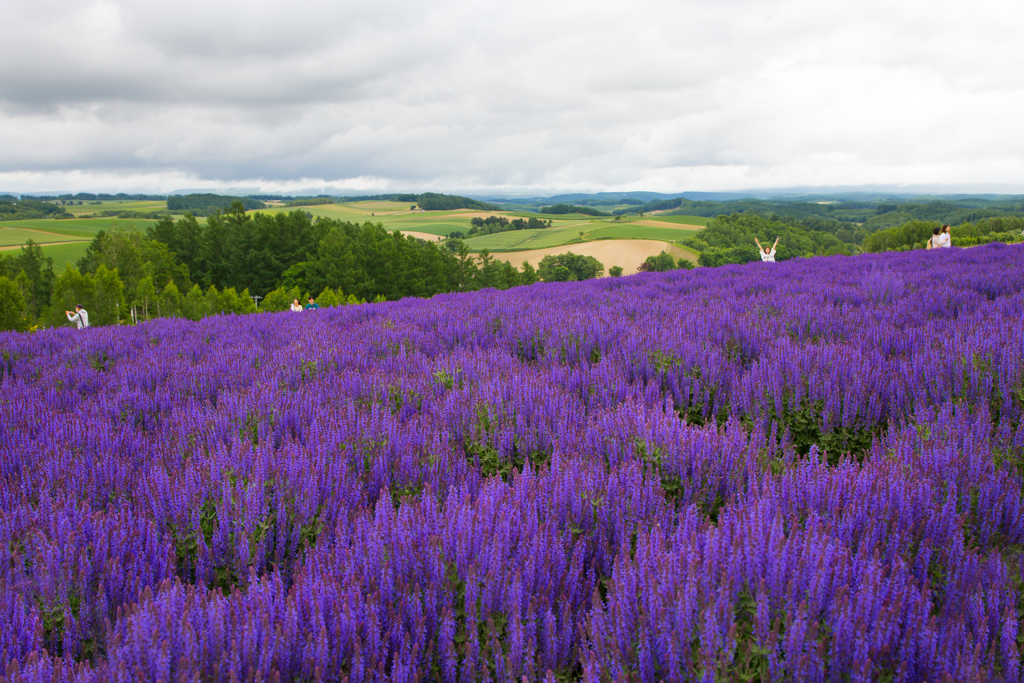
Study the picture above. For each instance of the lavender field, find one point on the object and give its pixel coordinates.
(806, 471)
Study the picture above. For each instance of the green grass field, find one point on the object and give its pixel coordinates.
(87, 208)
(64, 255)
(685, 220)
(10, 237)
(639, 232)
(502, 241)
(78, 227)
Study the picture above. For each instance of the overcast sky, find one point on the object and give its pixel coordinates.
(388, 95)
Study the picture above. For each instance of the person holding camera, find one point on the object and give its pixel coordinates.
(80, 317)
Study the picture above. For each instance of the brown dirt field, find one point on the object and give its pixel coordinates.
(628, 254)
(422, 235)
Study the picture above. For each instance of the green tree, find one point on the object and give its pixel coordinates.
(280, 299)
(39, 269)
(12, 307)
(329, 298)
(569, 267)
(108, 298)
(195, 304)
(145, 298)
(169, 302)
(70, 288)
(528, 275)
(615, 271)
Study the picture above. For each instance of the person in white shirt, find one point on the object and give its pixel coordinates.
(296, 306)
(944, 240)
(80, 317)
(767, 255)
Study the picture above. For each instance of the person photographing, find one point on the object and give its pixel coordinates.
(80, 317)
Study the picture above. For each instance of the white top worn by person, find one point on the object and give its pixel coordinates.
(767, 255)
(296, 306)
(944, 240)
(80, 317)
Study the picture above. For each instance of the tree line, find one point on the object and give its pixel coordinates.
(493, 224)
(208, 204)
(558, 209)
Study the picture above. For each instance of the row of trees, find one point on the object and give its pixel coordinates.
(209, 204)
(558, 209)
(12, 209)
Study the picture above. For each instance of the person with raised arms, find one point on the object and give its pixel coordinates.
(767, 255)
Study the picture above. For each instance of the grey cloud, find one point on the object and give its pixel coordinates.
(537, 94)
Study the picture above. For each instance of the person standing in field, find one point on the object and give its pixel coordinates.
(296, 306)
(767, 255)
(312, 305)
(944, 240)
(80, 317)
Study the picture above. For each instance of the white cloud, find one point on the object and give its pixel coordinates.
(601, 95)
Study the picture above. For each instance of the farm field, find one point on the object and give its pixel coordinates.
(805, 471)
(78, 227)
(18, 236)
(627, 254)
(88, 208)
(684, 220)
(65, 254)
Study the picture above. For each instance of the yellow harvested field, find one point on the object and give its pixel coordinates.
(421, 235)
(627, 254)
(666, 224)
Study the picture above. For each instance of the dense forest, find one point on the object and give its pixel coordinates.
(428, 201)
(558, 209)
(238, 261)
(208, 204)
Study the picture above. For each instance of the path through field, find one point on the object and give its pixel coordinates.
(11, 247)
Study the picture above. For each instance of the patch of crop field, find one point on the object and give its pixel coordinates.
(554, 237)
(18, 236)
(641, 232)
(381, 206)
(502, 241)
(686, 220)
(79, 227)
(627, 254)
(88, 208)
(440, 229)
(65, 255)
